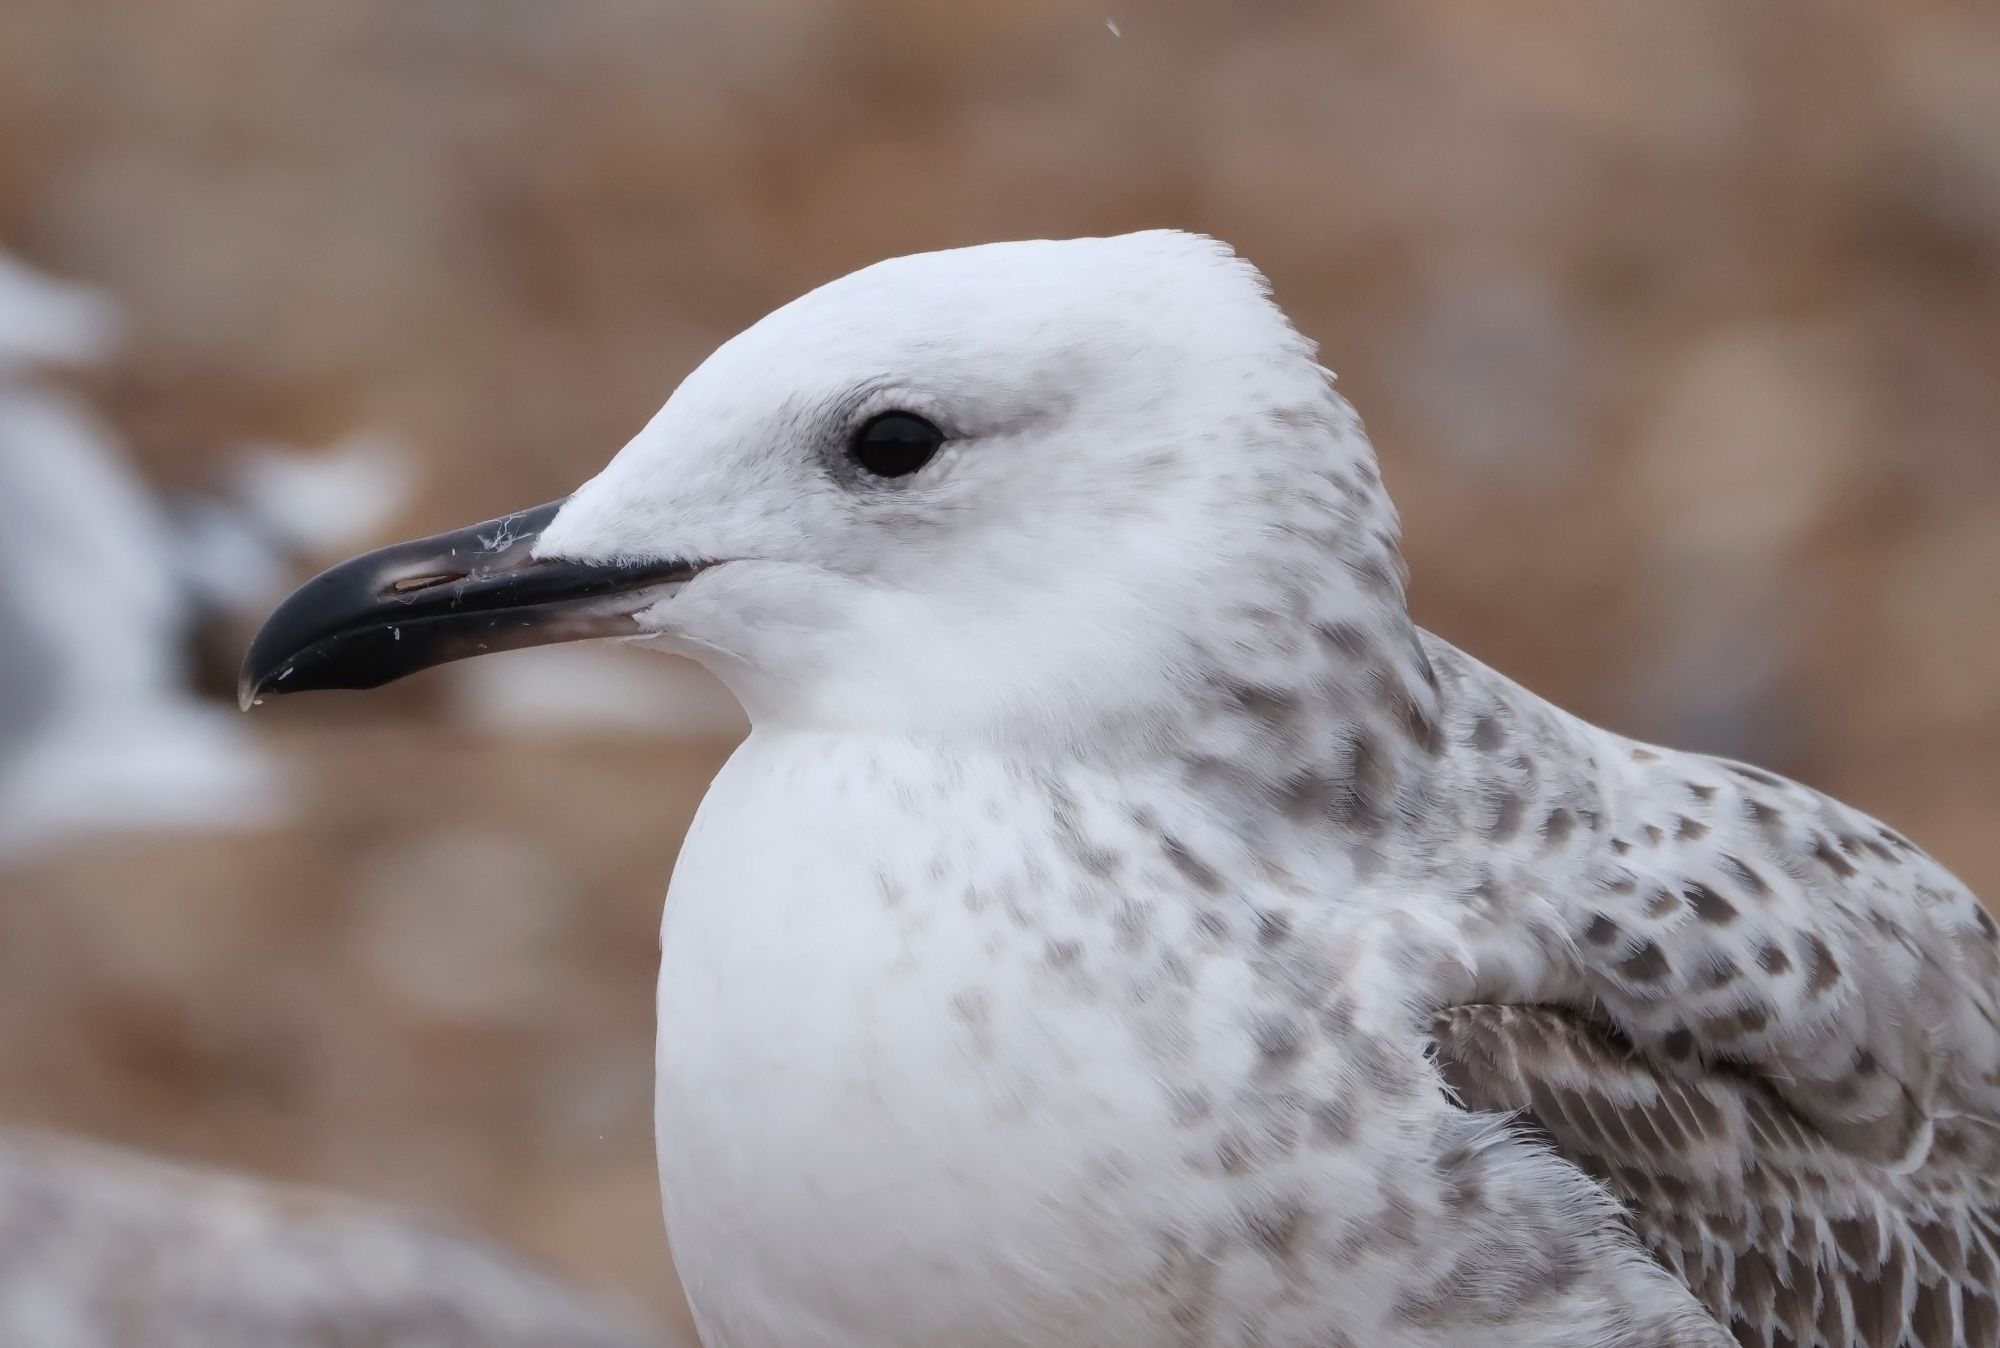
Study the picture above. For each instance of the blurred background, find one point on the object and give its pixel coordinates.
(1677, 327)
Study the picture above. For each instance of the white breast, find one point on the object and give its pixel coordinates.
(868, 1100)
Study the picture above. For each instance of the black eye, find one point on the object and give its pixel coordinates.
(895, 444)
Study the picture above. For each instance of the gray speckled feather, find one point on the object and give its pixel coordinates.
(1770, 1031)
(1786, 1237)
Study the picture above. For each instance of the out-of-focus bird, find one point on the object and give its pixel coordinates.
(104, 1249)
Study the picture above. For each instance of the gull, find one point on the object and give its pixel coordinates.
(98, 729)
(104, 1248)
(1124, 926)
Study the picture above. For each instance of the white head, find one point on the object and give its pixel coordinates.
(1145, 492)
(1118, 415)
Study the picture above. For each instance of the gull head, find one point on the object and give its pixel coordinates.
(1009, 489)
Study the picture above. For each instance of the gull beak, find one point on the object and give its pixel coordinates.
(371, 620)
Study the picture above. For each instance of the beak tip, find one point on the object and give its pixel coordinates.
(251, 687)
(375, 618)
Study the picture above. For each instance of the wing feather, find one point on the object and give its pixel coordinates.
(1786, 1237)
(1768, 1024)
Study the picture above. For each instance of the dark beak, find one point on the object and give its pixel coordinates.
(407, 607)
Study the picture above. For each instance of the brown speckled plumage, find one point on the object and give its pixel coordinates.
(1786, 1237)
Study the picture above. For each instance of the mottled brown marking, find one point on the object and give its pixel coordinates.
(974, 1010)
(1375, 576)
(1603, 930)
(1690, 830)
(1308, 419)
(1894, 839)
(1382, 1068)
(1558, 826)
(1772, 959)
(1746, 875)
(1708, 905)
(1336, 1018)
(1828, 855)
(1193, 868)
(1332, 1122)
(1187, 1277)
(1129, 925)
(1416, 722)
(1308, 796)
(1279, 1037)
(1101, 862)
(1822, 970)
(1647, 964)
(1487, 736)
(1275, 707)
(1277, 1227)
(1370, 784)
(1188, 1105)
(1506, 817)
(1347, 638)
(1761, 813)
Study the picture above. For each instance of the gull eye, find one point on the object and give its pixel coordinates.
(895, 444)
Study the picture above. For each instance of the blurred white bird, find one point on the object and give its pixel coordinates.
(103, 1249)
(103, 583)
(97, 727)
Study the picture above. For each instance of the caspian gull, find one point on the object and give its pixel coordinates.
(1124, 926)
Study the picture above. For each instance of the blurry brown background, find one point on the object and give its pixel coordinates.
(1677, 326)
